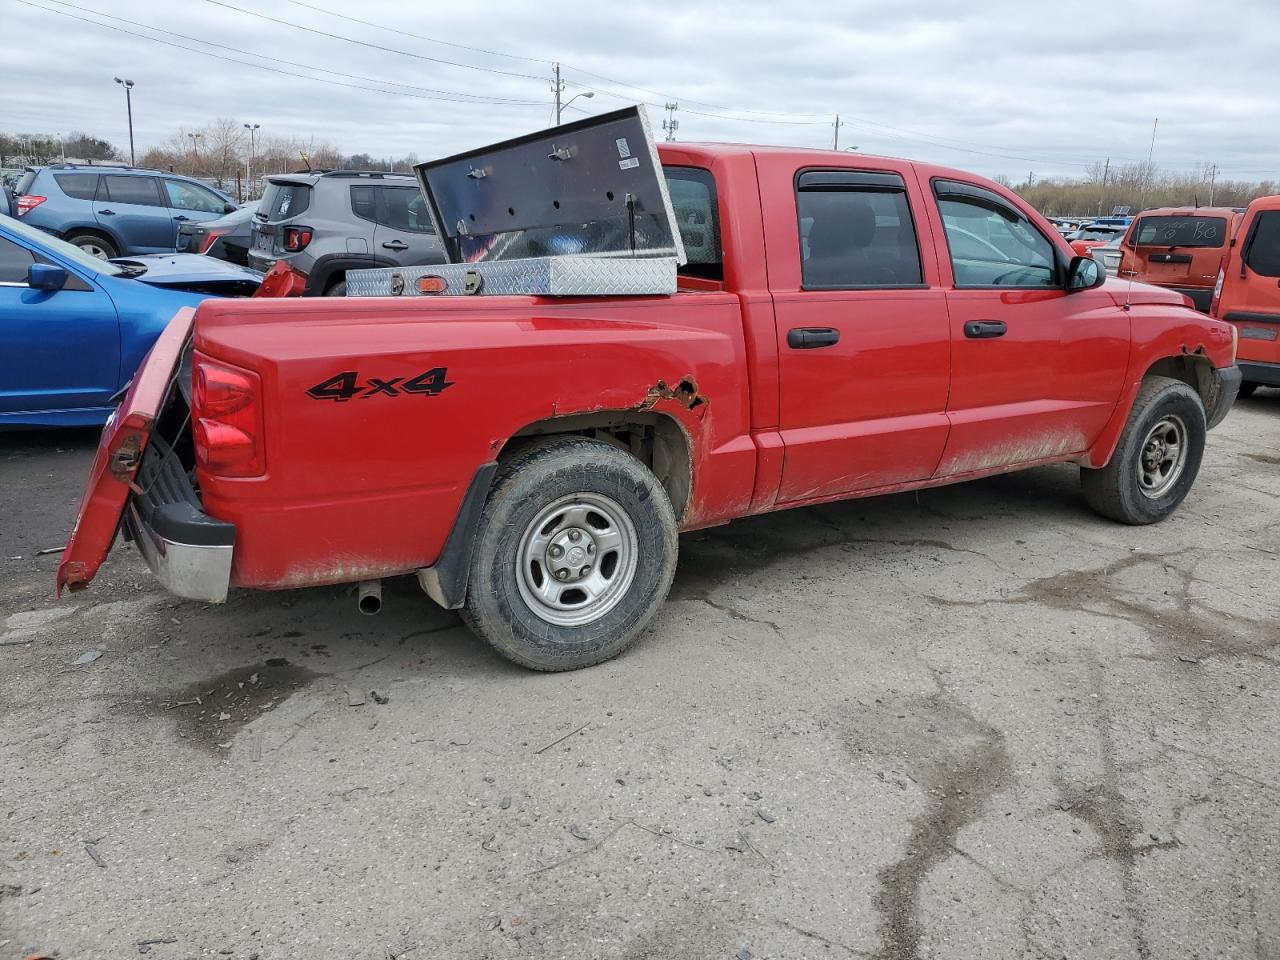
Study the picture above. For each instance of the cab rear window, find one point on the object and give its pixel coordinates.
(1180, 232)
(693, 200)
(280, 201)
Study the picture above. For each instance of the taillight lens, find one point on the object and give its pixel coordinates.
(226, 412)
(296, 238)
(28, 202)
(209, 239)
(1217, 287)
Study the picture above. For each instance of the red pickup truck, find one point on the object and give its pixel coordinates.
(842, 326)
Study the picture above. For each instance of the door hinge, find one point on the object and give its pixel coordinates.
(124, 462)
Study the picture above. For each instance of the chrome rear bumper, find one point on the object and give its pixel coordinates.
(188, 551)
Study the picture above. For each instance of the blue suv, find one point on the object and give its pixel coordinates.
(115, 211)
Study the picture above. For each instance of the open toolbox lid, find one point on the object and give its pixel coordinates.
(593, 187)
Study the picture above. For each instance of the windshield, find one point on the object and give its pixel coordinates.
(39, 238)
(1181, 232)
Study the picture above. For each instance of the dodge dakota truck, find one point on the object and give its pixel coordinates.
(836, 326)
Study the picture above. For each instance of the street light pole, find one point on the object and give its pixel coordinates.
(194, 156)
(248, 169)
(128, 102)
(588, 94)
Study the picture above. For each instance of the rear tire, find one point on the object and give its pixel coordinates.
(339, 289)
(94, 245)
(1157, 459)
(1247, 387)
(574, 556)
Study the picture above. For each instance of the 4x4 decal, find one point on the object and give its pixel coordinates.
(346, 385)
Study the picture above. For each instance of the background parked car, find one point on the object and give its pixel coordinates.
(1247, 294)
(323, 224)
(1094, 235)
(76, 327)
(1108, 255)
(226, 238)
(1180, 248)
(113, 211)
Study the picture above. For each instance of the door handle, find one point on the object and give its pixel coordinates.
(809, 338)
(182, 219)
(396, 245)
(985, 329)
(107, 213)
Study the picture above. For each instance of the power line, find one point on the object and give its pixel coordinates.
(372, 46)
(442, 96)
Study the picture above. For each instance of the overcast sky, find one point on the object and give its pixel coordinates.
(991, 86)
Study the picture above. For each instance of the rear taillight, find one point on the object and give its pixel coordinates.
(1217, 287)
(209, 239)
(28, 202)
(226, 413)
(296, 238)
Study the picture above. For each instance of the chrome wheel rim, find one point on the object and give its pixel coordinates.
(94, 250)
(1163, 457)
(577, 559)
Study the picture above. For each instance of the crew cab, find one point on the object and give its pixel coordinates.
(841, 326)
(1247, 293)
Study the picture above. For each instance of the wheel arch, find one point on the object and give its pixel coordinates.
(97, 230)
(1195, 369)
(658, 440)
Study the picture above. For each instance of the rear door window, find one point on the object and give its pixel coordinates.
(280, 201)
(139, 190)
(856, 231)
(81, 186)
(1262, 252)
(404, 209)
(1180, 232)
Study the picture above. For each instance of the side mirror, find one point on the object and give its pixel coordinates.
(1084, 274)
(45, 276)
(229, 208)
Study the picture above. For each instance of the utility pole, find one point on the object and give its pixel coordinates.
(248, 167)
(1106, 169)
(1213, 179)
(128, 102)
(835, 141)
(557, 87)
(671, 124)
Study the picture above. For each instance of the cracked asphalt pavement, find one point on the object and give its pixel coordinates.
(976, 722)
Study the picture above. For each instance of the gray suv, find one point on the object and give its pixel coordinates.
(325, 223)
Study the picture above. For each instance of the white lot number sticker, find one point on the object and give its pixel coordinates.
(624, 149)
(629, 164)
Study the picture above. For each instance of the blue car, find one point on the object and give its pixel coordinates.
(115, 211)
(74, 328)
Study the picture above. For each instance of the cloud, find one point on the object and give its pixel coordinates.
(996, 87)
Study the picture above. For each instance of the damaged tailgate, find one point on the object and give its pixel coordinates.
(120, 450)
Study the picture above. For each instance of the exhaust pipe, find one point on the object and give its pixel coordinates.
(369, 597)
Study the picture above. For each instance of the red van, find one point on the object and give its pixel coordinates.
(1180, 248)
(1248, 294)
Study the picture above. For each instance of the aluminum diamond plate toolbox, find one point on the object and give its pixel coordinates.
(567, 276)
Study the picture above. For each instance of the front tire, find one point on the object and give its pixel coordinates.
(1157, 459)
(574, 556)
